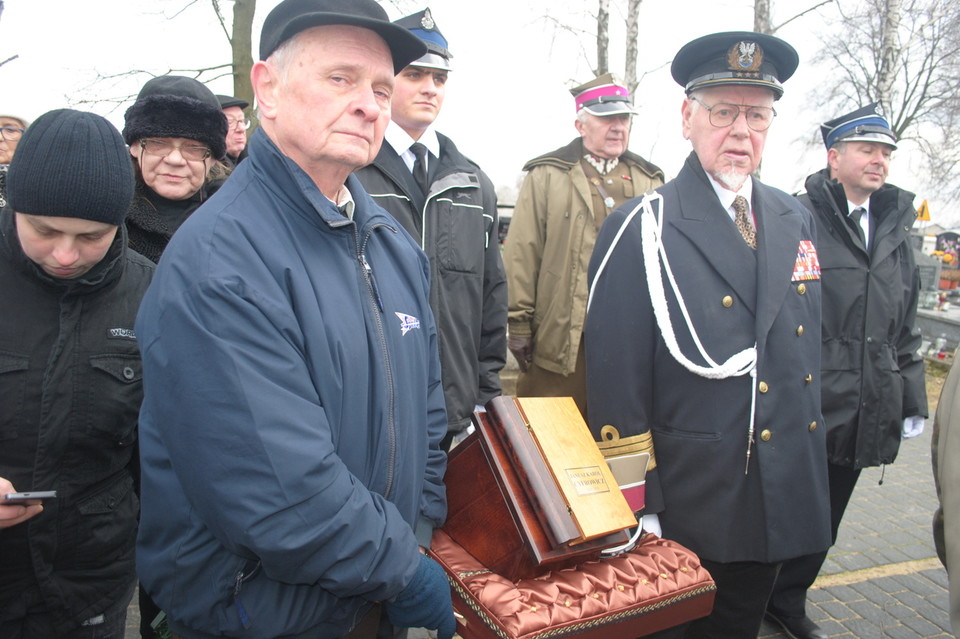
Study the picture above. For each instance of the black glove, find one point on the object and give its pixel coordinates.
(522, 349)
(425, 602)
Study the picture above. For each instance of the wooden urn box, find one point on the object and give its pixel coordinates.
(530, 491)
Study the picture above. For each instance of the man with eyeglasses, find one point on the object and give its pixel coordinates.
(293, 406)
(12, 129)
(565, 197)
(874, 388)
(702, 339)
(237, 125)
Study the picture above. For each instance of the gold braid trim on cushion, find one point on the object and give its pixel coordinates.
(612, 445)
(577, 628)
(658, 580)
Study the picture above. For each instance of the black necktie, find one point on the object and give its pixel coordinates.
(420, 167)
(855, 216)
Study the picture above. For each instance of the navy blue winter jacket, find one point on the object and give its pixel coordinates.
(293, 409)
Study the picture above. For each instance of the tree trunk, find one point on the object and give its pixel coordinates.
(633, 28)
(889, 53)
(603, 37)
(242, 42)
(761, 16)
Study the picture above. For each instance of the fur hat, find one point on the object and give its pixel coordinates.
(173, 106)
(72, 164)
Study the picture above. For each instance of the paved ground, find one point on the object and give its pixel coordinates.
(882, 579)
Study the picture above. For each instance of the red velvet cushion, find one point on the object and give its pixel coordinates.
(656, 585)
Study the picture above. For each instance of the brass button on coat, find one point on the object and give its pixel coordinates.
(762, 387)
(727, 301)
(765, 435)
(812, 427)
(802, 289)
(808, 378)
(800, 330)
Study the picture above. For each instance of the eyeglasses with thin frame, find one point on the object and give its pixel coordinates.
(233, 123)
(162, 148)
(759, 118)
(11, 133)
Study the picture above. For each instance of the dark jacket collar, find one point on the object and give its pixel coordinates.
(291, 184)
(566, 157)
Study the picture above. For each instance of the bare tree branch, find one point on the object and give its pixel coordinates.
(799, 15)
(581, 37)
(223, 25)
(906, 55)
(14, 56)
(184, 8)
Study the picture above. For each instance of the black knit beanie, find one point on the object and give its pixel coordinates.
(72, 164)
(173, 106)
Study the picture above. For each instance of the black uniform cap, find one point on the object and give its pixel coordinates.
(866, 124)
(735, 57)
(227, 101)
(290, 17)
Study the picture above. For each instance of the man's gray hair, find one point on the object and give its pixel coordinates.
(284, 55)
(696, 99)
(583, 114)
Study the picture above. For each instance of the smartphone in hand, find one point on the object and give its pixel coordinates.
(27, 498)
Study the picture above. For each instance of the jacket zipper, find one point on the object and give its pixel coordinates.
(388, 368)
(426, 203)
(237, 586)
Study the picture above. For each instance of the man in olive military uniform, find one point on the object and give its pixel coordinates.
(564, 199)
(703, 340)
(874, 391)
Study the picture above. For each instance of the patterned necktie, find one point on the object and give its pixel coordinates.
(420, 166)
(742, 220)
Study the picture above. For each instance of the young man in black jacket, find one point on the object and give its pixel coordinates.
(71, 382)
(449, 206)
(872, 378)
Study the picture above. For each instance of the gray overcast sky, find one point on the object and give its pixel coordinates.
(507, 100)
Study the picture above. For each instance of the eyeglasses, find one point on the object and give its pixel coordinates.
(162, 148)
(233, 123)
(11, 133)
(759, 118)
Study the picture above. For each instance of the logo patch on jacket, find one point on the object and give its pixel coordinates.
(407, 323)
(807, 266)
(121, 333)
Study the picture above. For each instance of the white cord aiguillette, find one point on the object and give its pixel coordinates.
(656, 264)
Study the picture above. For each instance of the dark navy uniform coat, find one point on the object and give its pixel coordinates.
(736, 297)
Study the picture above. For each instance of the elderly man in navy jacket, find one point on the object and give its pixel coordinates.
(293, 407)
(703, 339)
